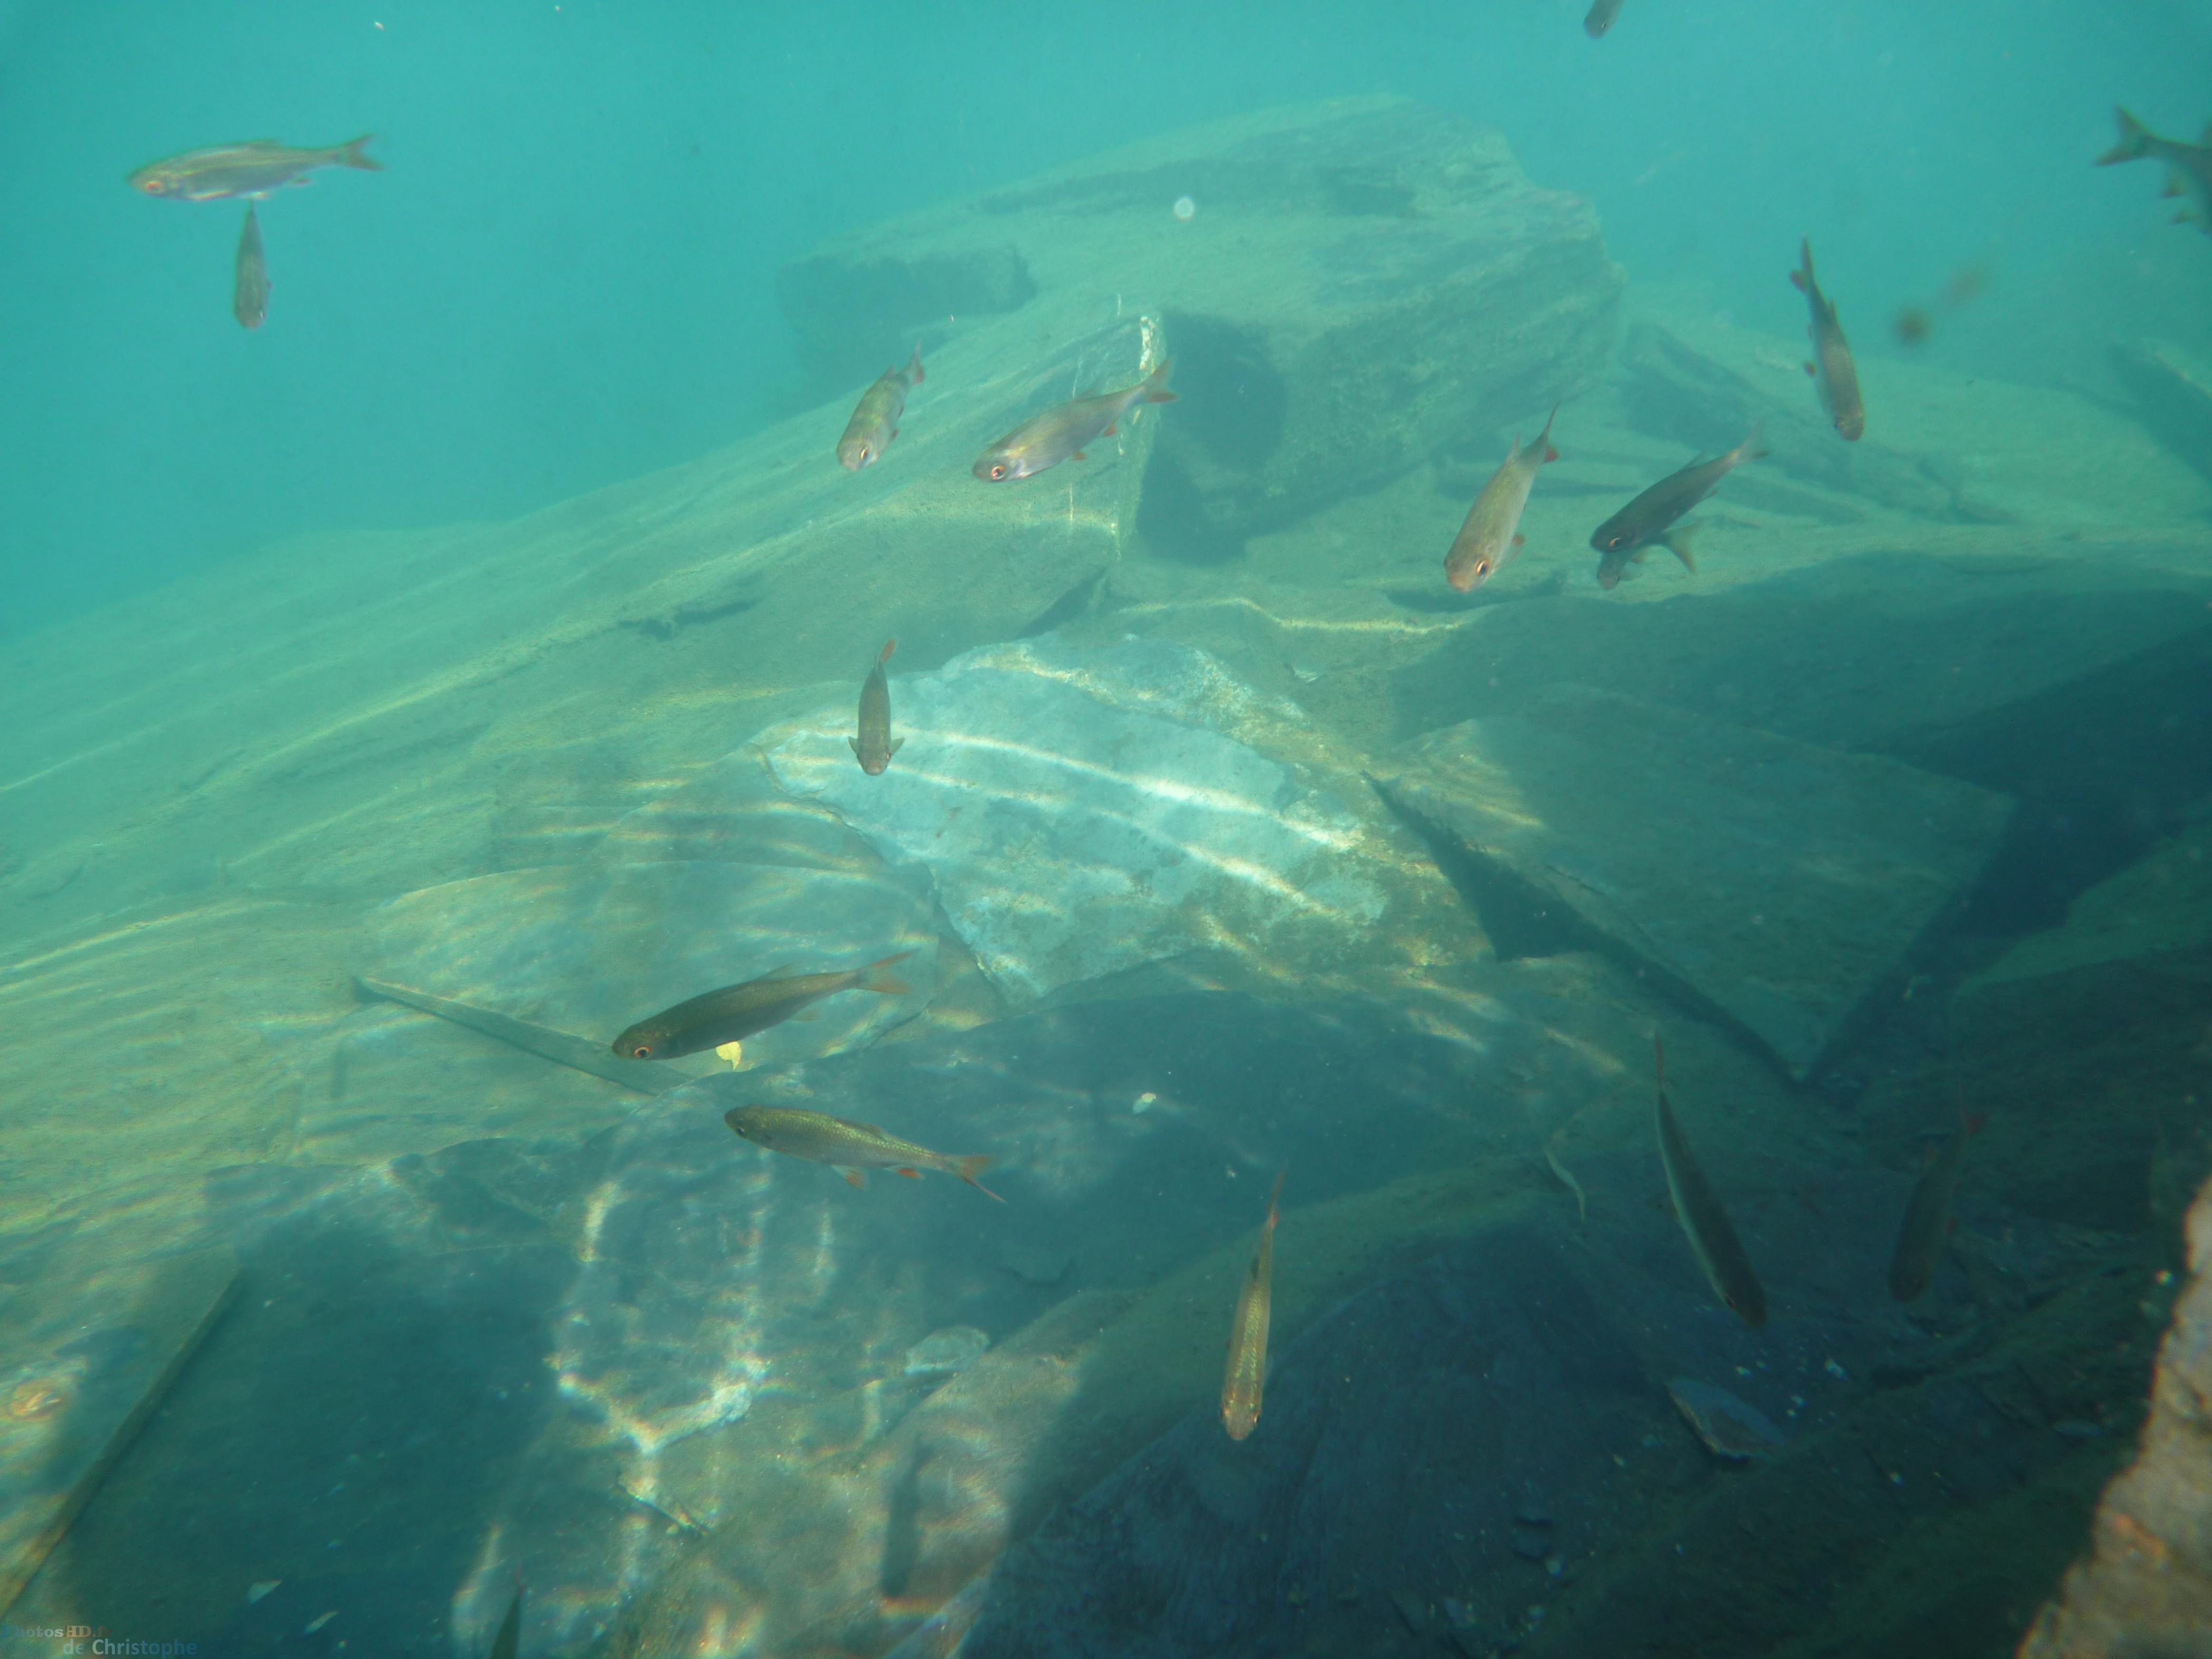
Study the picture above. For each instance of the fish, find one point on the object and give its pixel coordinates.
(252, 168)
(875, 745)
(1246, 1373)
(849, 1147)
(1831, 368)
(1649, 520)
(1698, 1207)
(1491, 535)
(1601, 15)
(1062, 433)
(508, 1642)
(876, 417)
(249, 300)
(2189, 167)
(735, 1012)
(1927, 1224)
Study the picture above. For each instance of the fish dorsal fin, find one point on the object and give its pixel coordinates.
(782, 970)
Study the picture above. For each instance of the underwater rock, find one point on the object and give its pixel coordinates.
(1080, 817)
(1729, 1428)
(2173, 391)
(84, 1363)
(1326, 239)
(2146, 1586)
(1778, 884)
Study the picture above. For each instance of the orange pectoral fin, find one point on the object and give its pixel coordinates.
(1812, 372)
(911, 1175)
(854, 1178)
(1110, 426)
(1079, 456)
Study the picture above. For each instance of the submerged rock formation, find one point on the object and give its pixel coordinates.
(1360, 284)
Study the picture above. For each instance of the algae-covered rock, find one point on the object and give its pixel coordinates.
(1775, 882)
(1361, 283)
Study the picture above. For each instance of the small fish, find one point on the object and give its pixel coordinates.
(735, 1012)
(876, 417)
(1728, 1427)
(1698, 1207)
(1246, 1374)
(1566, 1178)
(253, 169)
(249, 300)
(1831, 368)
(1062, 433)
(849, 1147)
(1492, 535)
(508, 1641)
(875, 745)
(2189, 167)
(1649, 520)
(1927, 1226)
(1601, 15)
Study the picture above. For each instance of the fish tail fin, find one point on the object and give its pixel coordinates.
(2135, 141)
(884, 655)
(877, 977)
(1753, 446)
(1677, 542)
(353, 155)
(972, 1165)
(1801, 278)
(1543, 444)
(914, 374)
(1155, 384)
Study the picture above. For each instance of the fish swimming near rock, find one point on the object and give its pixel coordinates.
(253, 169)
(1246, 1374)
(1927, 1224)
(1600, 18)
(2189, 167)
(1832, 368)
(849, 1147)
(249, 300)
(1649, 520)
(1704, 1222)
(875, 420)
(735, 1012)
(1492, 534)
(875, 745)
(508, 1642)
(1063, 434)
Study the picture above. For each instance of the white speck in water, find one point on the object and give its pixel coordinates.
(1184, 208)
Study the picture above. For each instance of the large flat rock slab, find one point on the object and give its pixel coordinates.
(1081, 815)
(1774, 883)
(1326, 240)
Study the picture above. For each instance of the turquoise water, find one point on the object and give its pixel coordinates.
(1309, 1094)
(566, 277)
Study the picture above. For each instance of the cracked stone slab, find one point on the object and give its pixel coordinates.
(1777, 884)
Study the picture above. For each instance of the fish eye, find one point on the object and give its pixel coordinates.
(864, 453)
(1482, 567)
(643, 1051)
(999, 471)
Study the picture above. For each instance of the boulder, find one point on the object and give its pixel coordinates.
(1362, 283)
(1776, 884)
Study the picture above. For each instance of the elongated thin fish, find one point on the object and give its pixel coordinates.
(849, 1147)
(1492, 534)
(253, 169)
(1649, 520)
(249, 300)
(508, 1642)
(1831, 368)
(1927, 1226)
(875, 745)
(1063, 434)
(1698, 1207)
(735, 1012)
(1246, 1374)
(1601, 15)
(2189, 167)
(875, 420)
